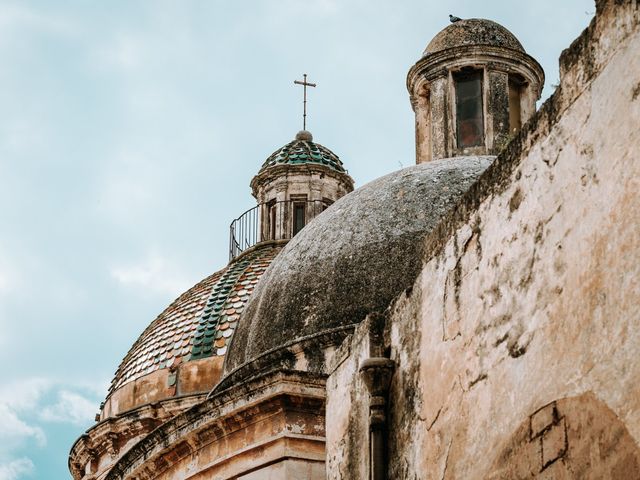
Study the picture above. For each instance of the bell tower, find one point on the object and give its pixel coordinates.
(294, 185)
(472, 90)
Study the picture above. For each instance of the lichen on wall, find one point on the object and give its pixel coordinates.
(534, 298)
(516, 350)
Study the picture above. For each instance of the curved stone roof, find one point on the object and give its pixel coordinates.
(353, 259)
(473, 31)
(200, 323)
(302, 150)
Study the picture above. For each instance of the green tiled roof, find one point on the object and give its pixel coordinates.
(304, 151)
(200, 323)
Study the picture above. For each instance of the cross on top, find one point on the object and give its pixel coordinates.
(304, 84)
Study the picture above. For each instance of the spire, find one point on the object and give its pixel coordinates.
(304, 84)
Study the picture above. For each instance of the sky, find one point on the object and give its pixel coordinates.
(129, 132)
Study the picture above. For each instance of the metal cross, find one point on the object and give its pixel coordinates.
(304, 84)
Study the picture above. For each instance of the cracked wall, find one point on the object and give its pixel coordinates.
(516, 352)
(535, 297)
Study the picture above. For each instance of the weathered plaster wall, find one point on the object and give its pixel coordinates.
(535, 298)
(288, 469)
(517, 349)
(348, 409)
(196, 376)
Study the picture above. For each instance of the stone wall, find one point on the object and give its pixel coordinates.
(193, 377)
(271, 426)
(517, 349)
(348, 412)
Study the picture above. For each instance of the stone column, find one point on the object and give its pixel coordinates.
(438, 101)
(528, 97)
(422, 110)
(497, 111)
(282, 211)
(314, 207)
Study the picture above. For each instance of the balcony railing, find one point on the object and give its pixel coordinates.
(277, 220)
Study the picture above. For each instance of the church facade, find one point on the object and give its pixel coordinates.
(476, 315)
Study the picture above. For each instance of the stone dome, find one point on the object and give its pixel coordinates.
(473, 31)
(302, 150)
(197, 325)
(352, 260)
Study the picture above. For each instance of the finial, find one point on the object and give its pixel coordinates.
(305, 84)
(304, 135)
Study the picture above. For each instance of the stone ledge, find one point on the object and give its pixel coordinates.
(225, 412)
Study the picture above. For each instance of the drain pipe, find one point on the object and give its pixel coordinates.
(376, 373)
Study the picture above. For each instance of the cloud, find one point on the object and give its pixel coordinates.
(70, 408)
(25, 394)
(15, 432)
(19, 16)
(16, 19)
(125, 51)
(16, 469)
(28, 399)
(153, 274)
(24, 405)
(16, 399)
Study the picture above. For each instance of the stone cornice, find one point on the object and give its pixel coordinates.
(212, 419)
(282, 355)
(271, 173)
(437, 64)
(110, 435)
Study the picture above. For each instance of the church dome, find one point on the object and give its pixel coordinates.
(473, 31)
(196, 327)
(352, 260)
(302, 150)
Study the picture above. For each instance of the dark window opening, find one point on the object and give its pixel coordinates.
(326, 203)
(469, 115)
(272, 220)
(298, 217)
(516, 85)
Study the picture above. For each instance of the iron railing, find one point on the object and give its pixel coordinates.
(271, 221)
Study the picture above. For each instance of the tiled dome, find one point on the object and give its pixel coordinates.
(303, 151)
(473, 31)
(200, 323)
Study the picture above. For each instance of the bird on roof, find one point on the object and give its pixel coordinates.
(454, 19)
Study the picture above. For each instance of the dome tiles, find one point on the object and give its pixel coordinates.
(200, 323)
(473, 31)
(302, 150)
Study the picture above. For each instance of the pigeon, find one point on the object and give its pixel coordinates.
(454, 19)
